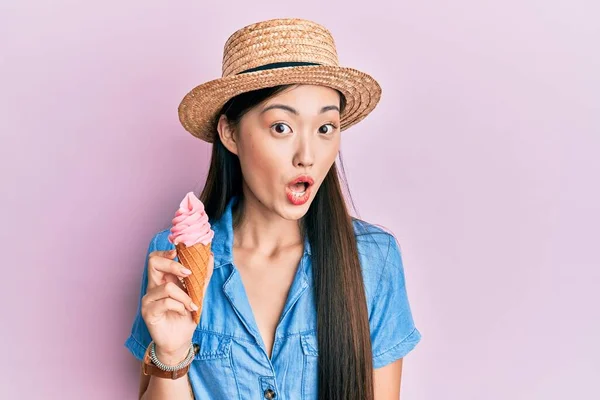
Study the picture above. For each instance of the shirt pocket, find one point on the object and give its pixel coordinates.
(212, 373)
(310, 354)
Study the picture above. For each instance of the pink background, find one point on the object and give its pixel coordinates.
(484, 151)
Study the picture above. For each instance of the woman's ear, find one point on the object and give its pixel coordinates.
(227, 134)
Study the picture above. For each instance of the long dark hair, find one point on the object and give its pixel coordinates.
(345, 357)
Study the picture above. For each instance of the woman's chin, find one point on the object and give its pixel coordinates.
(295, 212)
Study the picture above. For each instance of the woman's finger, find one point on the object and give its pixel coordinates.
(161, 264)
(155, 277)
(157, 308)
(169, 290)
(174, 279)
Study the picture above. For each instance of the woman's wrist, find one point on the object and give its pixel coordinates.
(172, 358)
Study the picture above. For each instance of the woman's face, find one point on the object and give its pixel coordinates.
(292, 136)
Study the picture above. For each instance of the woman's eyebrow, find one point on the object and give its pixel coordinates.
(294, 111)
(328, 108)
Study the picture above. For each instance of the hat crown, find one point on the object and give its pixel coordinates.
(278, 41)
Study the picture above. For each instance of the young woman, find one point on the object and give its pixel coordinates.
(303, 301)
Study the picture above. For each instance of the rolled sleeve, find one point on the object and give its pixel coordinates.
(393, 331)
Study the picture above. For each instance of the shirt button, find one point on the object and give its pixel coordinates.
(269, 394)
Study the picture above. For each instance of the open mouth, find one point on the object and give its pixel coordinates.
(298, 190)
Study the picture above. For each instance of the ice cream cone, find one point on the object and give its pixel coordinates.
(192, 237)
(195, 258)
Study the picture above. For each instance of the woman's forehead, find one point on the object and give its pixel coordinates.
(303, 99)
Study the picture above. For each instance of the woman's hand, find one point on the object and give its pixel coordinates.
(166, 307)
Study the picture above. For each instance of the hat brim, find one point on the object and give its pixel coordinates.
(198, 109)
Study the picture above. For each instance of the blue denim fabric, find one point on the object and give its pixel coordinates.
(233, 363)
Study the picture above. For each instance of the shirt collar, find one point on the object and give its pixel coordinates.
(222, 244)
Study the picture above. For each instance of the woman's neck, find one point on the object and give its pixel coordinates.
(262, 230)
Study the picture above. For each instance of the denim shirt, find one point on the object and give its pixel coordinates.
(233, 362)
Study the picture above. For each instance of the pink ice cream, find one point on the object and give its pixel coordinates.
(190, 225)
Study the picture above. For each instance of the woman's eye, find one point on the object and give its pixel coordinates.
(324, 129)
(280, 128)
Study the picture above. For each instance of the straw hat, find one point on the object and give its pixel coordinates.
(277, 52)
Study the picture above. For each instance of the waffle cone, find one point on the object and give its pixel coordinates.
(195, 258)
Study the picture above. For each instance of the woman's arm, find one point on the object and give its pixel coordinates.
(386, 381)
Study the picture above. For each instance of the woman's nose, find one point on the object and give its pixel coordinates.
(304, 156)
